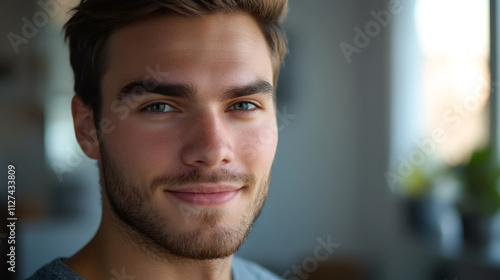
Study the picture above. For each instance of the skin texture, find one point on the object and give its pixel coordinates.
(215, 129)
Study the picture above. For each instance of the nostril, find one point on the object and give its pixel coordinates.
(206, 153)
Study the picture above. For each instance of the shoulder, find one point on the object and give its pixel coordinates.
(247, 270)
(55, 270)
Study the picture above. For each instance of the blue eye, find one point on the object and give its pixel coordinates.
(242, 106)
(159, 108)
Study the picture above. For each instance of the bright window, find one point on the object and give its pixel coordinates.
(453, 37)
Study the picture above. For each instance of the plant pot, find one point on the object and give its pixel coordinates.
(480, 232)
(423, 217)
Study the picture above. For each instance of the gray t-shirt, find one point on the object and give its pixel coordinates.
(241, 269)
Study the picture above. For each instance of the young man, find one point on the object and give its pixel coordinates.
(176, 101)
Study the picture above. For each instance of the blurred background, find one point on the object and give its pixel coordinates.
(388, 152)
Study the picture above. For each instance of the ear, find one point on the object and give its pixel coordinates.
(85, 130)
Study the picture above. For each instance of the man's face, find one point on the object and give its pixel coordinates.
(187, 164)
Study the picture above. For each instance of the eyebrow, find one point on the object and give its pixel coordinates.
(188, 91)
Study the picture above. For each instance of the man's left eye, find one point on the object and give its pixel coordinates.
(159, 108)
(242, 106)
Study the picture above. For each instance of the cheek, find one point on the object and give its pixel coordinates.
(135, 146)
(257, 147)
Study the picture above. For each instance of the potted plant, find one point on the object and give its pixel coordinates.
(480, 201)
(422, 206)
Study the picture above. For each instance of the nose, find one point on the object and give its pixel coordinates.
(208, 143)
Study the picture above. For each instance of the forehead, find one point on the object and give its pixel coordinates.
(209, 51)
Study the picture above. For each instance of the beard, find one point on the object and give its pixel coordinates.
(154, 233)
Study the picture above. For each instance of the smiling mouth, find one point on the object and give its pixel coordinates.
(205, 196)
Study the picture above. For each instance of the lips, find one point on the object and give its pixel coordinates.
(205, 195)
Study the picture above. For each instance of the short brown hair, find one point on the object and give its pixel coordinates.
(93, 22)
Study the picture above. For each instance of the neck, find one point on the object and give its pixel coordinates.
(112, 253)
